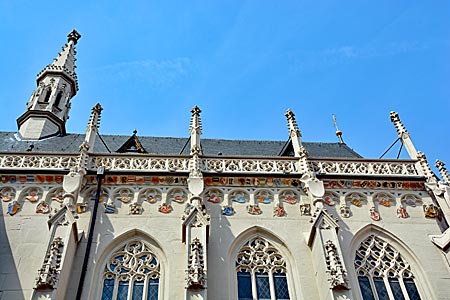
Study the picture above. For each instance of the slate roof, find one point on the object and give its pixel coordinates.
(10, 142)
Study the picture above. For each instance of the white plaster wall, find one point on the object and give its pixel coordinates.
(24, 239)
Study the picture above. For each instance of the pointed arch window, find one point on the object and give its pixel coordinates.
(131, 273)
(58, 99)
(47, 95)
(261, 272)
(382, 272)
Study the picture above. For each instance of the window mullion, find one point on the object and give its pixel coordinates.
(254, 291)
(374, 289)
(272, 286)
(130, 288)
(146, 284)
(403, 287)
(116, 288)
(388, 287)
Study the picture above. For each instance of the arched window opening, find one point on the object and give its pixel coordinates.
(261, 272)
(382, 272)
(58, 99)
(47, 95)
(131, 273)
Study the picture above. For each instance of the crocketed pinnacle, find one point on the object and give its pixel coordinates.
(64, 63)
(196, 121)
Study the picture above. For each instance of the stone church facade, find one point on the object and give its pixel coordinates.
(90, 216)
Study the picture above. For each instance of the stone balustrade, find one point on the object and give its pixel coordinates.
(211, 165)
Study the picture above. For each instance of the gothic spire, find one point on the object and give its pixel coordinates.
(64, 63)
(49, 105)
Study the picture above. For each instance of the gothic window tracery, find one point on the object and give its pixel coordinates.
(261, 272)
(382, 272)
(131, 273)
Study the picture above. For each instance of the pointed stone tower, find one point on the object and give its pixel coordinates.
(49, 105)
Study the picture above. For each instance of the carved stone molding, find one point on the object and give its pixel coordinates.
(335, 268)
(195, 274)
(48, 275)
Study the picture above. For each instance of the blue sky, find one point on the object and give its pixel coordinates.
(243, 63)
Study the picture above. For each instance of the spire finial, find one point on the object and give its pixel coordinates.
(196, 121)
(292, 123)
(73, 36)
(195, 130)
(395, 118)
(94, 120)
(443, 171)
(294, 133)
(338, 132)
(403, 135)
(426, 169)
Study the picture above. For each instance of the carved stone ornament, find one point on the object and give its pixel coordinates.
(374, 215)
(125, 195)
(177, 195)
(239, 196)
(401, 212)
(48, 275)
(228, 210)
(345, 211)
(165, 208)
(151, 195)
(136, 208)
(279, 211)
(213, 196)
(264, 196)
(330, 198)
(43, 207)
(305, 209)
(110, 208)
(7, 194)
(13, 208)
(289, 196)
(254, 209)
(335, 269)
(195, 274)
(430, 210)
(355, 199)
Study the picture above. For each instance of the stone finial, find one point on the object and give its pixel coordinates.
(94, 120)
(195, 130)
(73, 36)
(403, 135)
(401, 130)
(443, 170)
(292, 123)
(196, 121)
(426, 169)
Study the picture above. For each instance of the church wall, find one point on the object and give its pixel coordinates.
(27, 234)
